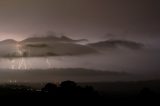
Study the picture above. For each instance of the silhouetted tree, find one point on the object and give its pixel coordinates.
(68, 84)
(49, 87)
(146, 94)
(69, 89)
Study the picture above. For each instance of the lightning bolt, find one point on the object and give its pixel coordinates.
(22, 62)
(13, 64)
(48, 62)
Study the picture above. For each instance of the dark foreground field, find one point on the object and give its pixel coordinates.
(100, 92)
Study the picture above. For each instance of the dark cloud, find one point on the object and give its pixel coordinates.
(80, 18)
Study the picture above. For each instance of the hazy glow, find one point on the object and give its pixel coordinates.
(95, 20)
(17, 37)
(13, 64)
(48, 62)
(137, 62)
(21, 62)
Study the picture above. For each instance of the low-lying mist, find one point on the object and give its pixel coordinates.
(141, 62)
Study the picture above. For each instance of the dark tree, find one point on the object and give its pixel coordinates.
(68, 84)
(50, 88)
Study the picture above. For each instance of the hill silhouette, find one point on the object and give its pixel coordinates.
(113, 43)
(44, 46)
(61, 46)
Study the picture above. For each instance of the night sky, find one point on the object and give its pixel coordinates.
(92, 19)
(128, 22)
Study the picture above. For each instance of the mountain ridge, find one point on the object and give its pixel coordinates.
(115, 43)
(44, 46)
(60, 46)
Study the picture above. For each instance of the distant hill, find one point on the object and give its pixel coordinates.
(86, 72)
(44, 46)
(8, 48)
(51, 39)
(60, 74)
(57, 49)
(8, 41)
(116, 44)
(55, 46)
(60, 46)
